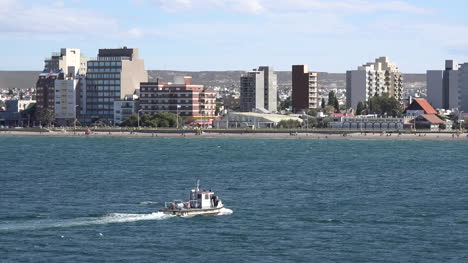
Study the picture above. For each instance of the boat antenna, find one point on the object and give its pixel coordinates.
(198, 185)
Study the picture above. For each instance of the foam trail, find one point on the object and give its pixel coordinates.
(149, 203)
(86, 221)
(225, 212)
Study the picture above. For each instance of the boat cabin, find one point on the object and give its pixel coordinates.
(203, 199)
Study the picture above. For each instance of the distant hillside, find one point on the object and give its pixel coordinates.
(227, 79)
(18, 79)
(231, 78)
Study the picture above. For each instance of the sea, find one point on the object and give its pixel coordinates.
(287, 200)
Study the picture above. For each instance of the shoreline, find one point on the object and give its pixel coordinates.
(309, 136)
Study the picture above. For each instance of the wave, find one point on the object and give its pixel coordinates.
(107, 219)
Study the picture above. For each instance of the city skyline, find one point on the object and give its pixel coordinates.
(197, 35)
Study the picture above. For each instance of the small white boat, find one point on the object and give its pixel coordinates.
(201, 202)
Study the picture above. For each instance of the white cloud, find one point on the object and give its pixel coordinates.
(17, 19)
(281, 6)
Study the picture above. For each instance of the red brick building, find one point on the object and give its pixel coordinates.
(45, 90)
(192, 102)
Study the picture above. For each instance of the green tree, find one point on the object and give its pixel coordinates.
(312, 122)
(323, 123)
(289, 124)
(331, 98)
(359, 108)
(46, 116)
(285, 104)
(312, 112)
(323, 103)
(385, 105)
(160, 119)
(336, 105)
(329, 109)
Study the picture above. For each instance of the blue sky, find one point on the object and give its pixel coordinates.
(329, 35)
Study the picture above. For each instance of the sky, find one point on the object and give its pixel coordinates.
(197, 35)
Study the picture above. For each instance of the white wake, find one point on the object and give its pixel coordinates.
(107, 219)
(225, 212)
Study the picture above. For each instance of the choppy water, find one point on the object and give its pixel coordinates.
(96, 200)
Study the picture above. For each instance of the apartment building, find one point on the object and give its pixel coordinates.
(259, 90)
(57, 88)
(374, 78)
(305, 94)
(192, 102)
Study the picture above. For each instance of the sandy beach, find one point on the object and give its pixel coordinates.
(316, 136)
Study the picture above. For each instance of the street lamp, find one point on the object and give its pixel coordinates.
(76, 119)
(178, 106)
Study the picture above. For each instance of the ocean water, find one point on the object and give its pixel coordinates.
(96, 200)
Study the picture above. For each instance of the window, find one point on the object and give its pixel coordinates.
(207, 197)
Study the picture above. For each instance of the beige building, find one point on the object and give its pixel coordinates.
(379, 77)
(114, 74)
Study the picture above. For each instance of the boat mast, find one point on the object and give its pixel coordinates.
(198, 185)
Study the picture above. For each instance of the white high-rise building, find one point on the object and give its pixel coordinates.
(258, 90)
(68, 60)
(443, 86)
(375, 78)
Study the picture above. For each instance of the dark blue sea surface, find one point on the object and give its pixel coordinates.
(96, 200)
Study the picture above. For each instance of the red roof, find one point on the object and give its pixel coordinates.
(428, 109)
(433, 119)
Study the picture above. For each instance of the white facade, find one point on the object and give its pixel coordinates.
(69, 60)
(270, 89)
(65, 98)
(379, 77)
(443, 86)
(123, 109)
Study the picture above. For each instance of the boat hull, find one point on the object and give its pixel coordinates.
(192, 212)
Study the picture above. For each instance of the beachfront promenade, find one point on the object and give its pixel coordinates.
(242, 133)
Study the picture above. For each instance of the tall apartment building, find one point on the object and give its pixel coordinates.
(304, 89)
(379, 77)
(57, 88)
(112, 75)
(442, 86)
(194, 103)
(259, 90)
(463, 86)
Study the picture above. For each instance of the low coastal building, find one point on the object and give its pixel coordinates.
(13, 109)
(252, 120)
(123, 109)
(368, 123)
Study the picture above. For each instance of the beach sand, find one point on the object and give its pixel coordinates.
(316, 136)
